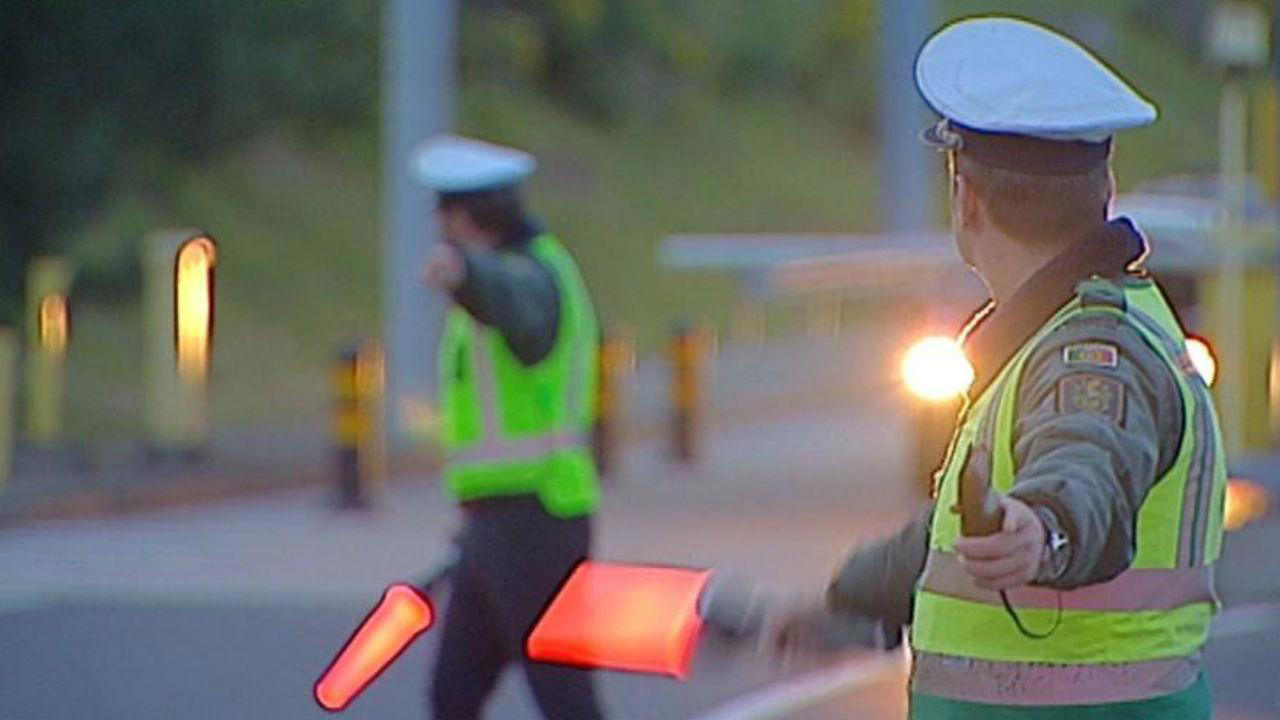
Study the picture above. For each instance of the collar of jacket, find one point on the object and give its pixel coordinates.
(995, 333)
(527, 230)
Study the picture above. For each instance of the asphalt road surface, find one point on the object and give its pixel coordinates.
(232, 610)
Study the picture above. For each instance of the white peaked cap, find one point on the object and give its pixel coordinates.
(1002, 75)
(455, 164)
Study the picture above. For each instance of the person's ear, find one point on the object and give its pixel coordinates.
(1111, 194)
(966, 204)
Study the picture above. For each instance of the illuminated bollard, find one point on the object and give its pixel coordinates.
(616, 359)
(357, 387)
(178, 312)
(8, 368)
(48, 331)
(687, 355)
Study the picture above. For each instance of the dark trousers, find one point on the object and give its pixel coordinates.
(514, 558)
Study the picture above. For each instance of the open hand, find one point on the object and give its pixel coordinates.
(445, 269)
(1009, 558)
(796, 627)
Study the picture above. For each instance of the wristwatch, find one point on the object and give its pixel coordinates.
(1057, 547)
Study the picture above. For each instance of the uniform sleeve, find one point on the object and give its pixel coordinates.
(517, 296)
(1099, 420)
(878, 580)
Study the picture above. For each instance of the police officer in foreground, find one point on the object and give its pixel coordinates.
(517, 371)
(1065, 567)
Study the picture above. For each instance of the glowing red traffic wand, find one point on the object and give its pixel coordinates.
(403, 614)
(622, 617)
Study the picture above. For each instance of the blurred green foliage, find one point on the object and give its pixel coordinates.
(97, 95)
(628, 60)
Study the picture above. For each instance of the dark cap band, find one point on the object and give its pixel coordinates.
(1019, 153)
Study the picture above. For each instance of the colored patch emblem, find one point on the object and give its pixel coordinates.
(1096, 354)
(1091, 394)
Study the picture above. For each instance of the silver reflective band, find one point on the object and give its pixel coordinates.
(498, 450)
(482, 369)
(1013, 683)
(1131, 590)
(494, 447)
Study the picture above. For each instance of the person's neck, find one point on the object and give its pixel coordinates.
(1006, 264)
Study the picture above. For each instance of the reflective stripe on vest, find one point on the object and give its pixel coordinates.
(1149, 619)
(1014, 683)
(494, 445)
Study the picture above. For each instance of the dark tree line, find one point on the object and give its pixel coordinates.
(92, 91)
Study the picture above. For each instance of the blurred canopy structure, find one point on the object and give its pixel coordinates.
(97, 94)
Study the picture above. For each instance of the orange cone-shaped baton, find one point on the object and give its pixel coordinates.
(622, 617)
(403, 614)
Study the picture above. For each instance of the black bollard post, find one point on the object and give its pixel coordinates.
(346, 430)
(615, 360)
(686, 354)
(357, 382)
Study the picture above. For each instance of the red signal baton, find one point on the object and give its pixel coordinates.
(622, 617)
(403, 614)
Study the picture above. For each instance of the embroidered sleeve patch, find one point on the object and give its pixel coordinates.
(1097, 354)
(1091, 394)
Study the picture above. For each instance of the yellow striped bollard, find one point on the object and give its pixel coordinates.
(359, 454)
(616, 358)
(687, 353)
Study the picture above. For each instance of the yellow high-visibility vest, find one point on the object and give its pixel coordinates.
(508, 429)
(1124, 639)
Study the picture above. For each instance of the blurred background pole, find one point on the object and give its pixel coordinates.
(47, 332)
(1230, 278)
(8, 369)
(1266, 153)
(907, 166)
(418, 101)
(1239, 41)
(1272, 159)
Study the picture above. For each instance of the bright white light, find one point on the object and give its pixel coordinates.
(1202, 358)
(936, 369)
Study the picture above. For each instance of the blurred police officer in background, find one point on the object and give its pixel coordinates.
(516, 391)
(1087, 429)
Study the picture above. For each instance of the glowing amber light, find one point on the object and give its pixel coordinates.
(53, 323)
(622, 617)
(1202, 358)
(402, 615)
(194, 311)
(936, 369)
(1246, 501)
(370, 371)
